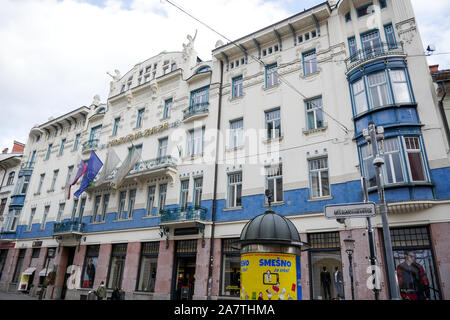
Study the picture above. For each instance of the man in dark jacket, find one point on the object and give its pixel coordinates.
(325, 280)
(412, 279)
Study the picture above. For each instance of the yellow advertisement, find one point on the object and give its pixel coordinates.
(270, 276)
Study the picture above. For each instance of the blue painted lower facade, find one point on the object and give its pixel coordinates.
(296, 202)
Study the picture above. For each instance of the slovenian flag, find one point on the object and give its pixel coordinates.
(93, 167)
(76, 174)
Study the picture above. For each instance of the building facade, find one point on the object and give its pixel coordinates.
(283, 109)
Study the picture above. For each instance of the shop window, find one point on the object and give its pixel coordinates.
(415, 265)
(148, 266)
(325, 266)
(90, 266)
(18, 268)
(3, 255)
(117, 265)
(231, 268)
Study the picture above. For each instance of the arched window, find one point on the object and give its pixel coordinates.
(204, 69)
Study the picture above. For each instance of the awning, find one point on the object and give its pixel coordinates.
(29, 271)
(44, 272)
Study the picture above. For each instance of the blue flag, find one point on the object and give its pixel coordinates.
(93, 167)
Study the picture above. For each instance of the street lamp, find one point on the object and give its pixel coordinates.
(349, 245)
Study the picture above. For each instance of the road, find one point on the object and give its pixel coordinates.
(15, 296)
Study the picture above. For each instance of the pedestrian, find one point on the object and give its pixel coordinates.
(116, 294)
(101, 291)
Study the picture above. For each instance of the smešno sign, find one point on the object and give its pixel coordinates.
(351, 210)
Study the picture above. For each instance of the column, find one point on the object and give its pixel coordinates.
(164, 271)
(201, 270)
(40, 266)
(304, 269)
(103, 264)
(215, 290)
(441, 238)
(131, 266)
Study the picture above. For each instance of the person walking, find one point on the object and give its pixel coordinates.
(101, 291)
(116, 294)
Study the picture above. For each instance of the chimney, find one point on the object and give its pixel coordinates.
(5, 151)
(18, 147)
(434, 68)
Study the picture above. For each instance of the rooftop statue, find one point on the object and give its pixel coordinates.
(189, 47)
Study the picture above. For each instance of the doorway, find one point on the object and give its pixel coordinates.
(183, 280)
(70, 256)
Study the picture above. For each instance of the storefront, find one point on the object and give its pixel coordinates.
(183, 282)
(90, 266)
(231, 268)
(324, 261)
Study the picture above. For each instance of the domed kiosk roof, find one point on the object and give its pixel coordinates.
(270, 228)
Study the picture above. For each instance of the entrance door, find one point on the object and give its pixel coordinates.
(185, 279)
(71, 254)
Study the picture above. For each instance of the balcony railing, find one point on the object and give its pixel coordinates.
(189, 213)
(27, 165)
(149, 165)
(366, 54)
(69, 227)
(196, 109)
(90, 145)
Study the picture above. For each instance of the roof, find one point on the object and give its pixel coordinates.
(441, 75)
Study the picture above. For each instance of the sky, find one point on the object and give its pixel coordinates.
(54, 54)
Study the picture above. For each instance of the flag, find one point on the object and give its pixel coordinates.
(78, 171)
(110, 164)
(125, 168)
(93, 167)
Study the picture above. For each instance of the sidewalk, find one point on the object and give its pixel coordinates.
(15, 296)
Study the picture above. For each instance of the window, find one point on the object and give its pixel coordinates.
(122, 199)
(61, 148)
(11, 178)
(313, 34)
(271, 75)
(122, 90)
(131, 202)
(117, 265)
(60, 212)
(306, 36)
(116, 126)
(234, 190)
(364, 10)
(300, 39)
(174, 66)
(55, 176)
(236, 133)
(41, 181)
(44, 217)
(318, 172)
(74, 209)
(378, 89)
(13, 220)
(273, 124)
(369, 169)
(195, 142)
(97, 201)
(199, 98)
(237, 87)
(231, 268)
(390, 36)
(393, 169)
(150, 200)
(383, 4)
(25, 182)
(75, 144)
(104, 207)
(47, 156)
(184, 193)
(415, 159)
(147, 78)
(69, 173)
(148, 69)
(309, 62)
(90, 266)
(359, 96)
(81, 211)
(353, 49)
(162, 196)
(314, 115)
(162, 148)
(198, 189)
(371, 44)
(140, 117)
(400, 86)
(348, 17)
(148, 266)
(167, 108)
(3, 205)
(274, 182)
(30, 221)
(35, 254)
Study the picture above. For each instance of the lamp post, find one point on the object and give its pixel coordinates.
(349, 244)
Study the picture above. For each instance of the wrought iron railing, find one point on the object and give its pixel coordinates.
(195, 109)
(90, 144)
(68, 227)
(188, 213)
(362, 55)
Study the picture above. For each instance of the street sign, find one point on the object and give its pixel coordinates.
(351, 210)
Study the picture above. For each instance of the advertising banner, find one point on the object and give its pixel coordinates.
(270, 276)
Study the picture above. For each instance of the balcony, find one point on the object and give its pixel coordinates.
(196, 111)
(362, 56)
(68, 228)
(27, 165)
(182, 215)
(90, 145)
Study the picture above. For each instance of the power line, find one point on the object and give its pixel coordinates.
(346, 130)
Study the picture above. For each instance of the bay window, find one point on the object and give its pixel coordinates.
(392, 170)
(378, 89)
(359, 96)
(400, 85)
(414, 158)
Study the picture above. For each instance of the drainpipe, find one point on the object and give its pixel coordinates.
(214, 208)
(441, 109)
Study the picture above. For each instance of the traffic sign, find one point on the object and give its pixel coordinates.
(351, 210)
